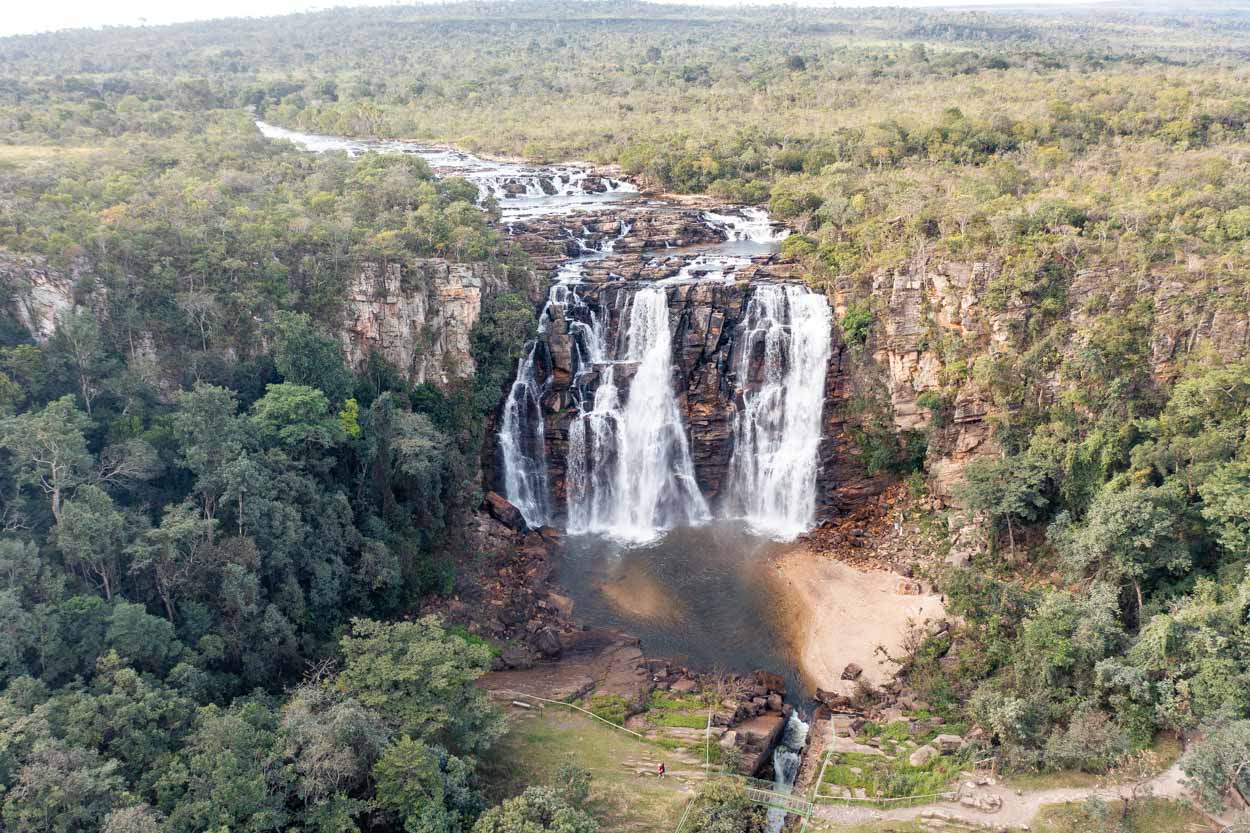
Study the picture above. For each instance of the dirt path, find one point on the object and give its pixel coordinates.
(1016, 811)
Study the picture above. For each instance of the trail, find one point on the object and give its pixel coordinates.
(1016, 811)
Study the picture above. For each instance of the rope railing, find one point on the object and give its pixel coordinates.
(569, 705)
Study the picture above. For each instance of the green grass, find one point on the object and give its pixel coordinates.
(681, 711)
(610, 707)
(881, 776)
(536, 744)
(1154, 815)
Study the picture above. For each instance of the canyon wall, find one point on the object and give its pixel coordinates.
(419, 317)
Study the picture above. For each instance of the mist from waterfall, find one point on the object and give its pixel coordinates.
(630, 471)
(785, 336)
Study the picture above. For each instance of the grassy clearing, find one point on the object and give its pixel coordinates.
(536, 744)
(25, 154)
(1156, 815)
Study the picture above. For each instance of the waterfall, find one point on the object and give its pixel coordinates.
(748, 223)
(521, 443)
(786, 758)
(630, 472)
(785, 337)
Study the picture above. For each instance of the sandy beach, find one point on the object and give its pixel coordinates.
(836, 615)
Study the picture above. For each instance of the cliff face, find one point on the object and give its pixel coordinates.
(39, 295)
(931, 304)
(418, 317)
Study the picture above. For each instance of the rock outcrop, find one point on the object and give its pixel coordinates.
(41, 295)
(418, 317)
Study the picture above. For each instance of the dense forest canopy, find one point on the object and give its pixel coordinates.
(208, 516)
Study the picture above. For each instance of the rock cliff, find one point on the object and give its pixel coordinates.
(40, 295)
(418, 316)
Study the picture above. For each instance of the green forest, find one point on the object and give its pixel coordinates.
(215, 533)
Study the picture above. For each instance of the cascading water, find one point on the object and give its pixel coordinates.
(787, 756)
(777, 427)
(522, 445)
(630, 472)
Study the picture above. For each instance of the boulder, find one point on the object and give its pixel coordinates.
(770, 681)
(547, 642)
(833, 699)
(774, 702)
(684, 686)
(949, 743)
(515, 658)
(852, 671)
(922, 756)
(729, 740)
(503, 510)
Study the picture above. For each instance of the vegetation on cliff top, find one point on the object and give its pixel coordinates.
(199, 498)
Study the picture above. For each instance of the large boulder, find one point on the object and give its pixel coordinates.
(852, 671)
(504, 511)
(922, 756)
(548, 643)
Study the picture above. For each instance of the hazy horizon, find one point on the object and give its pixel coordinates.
(78, 14)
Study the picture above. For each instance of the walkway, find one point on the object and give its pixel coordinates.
(1016, 811)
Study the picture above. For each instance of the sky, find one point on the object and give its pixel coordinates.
(25, 16)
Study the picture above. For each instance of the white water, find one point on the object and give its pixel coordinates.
(786, 758)
(777, 430)
(525, 462)
(630, 472)
(520, 190)
(749, 223)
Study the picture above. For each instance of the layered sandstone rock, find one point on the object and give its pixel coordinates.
(418, 317)
(41, 295)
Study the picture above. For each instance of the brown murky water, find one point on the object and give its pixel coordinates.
(697, 595)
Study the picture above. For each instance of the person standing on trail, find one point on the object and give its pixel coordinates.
(661, 769)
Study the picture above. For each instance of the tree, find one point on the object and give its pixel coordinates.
(421, 678)
(91, 534)
(333, 740)
(296, 417)
(211, 439)
(49, 449)
(426, 788)
(1129, 535)
(1218, 764)
(1009, 490)
(79, 344)
(62, 789)
(230, 775)
(724, 808)
(306, 356)
(1226, 506)
(542, 810)
(173, 552)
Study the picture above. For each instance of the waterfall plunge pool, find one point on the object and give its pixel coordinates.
(698, 595)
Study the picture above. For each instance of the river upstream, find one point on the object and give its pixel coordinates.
(658, 316)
